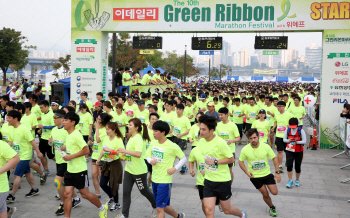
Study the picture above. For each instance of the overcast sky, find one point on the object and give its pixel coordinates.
(47, 26)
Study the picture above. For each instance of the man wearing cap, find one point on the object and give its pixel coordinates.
(83, 96)
(201, 104)
(142, 114)
(211, 111)
(13, 96)
(98, 110)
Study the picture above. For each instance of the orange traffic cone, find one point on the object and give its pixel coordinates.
(313, 141)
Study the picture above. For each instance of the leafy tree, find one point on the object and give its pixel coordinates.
(155, 60)
(221, 71)
(65, 63)
(169, 63)
(12, 49)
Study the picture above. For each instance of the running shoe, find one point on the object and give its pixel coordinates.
(109, 202)
(121, 216)
(289, 184)
(76, 203)
(57, 197)
(154, 213)
(43, 179)
(60, 210)
(273, 212)
(32, 193)
(10, 199)
(245, 215)
(150, 187)
(181, 215)
(103, 214)
(297, 182)
(115, 207)
(281, 169)
(13, 211)
(47, 172)
(183, 170)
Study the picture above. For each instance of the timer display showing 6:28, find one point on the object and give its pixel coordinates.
(206, 43)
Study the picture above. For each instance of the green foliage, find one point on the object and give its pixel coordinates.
(13, 50)
(155, 60)
(175, 64)
(64, 62)
(221, 71)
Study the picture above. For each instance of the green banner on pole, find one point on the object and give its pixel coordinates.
(271, 52)
(85, 70)
(78, 41)
(338, 55)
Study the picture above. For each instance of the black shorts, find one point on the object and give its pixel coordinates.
(78, 180)
(274, 130)
(267, 180)
(248, 126)
(36, 132)
(46, 149)
(281, 146)
(182, 143)
(200, 192)
(61, 169)
(149, 167)
(220, 190)
(93, 160)
(234, 163)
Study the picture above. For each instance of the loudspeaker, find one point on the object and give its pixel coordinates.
(57, 89)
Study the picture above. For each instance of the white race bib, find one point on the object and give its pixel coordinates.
(258, 165)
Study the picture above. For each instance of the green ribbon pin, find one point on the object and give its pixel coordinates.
(285, 6)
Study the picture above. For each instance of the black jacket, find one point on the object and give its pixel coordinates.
(118, 78)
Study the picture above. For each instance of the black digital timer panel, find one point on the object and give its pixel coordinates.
(271, 42)
(147, 42)
(206, 43)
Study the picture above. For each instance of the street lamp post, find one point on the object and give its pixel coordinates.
(185, 63)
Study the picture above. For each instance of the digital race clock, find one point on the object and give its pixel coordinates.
(271, 42)
(147, 42)
(206, 43)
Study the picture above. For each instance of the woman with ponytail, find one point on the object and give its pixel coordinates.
(136, 168)
(112, 169)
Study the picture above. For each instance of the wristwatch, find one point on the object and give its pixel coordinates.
(278, 172)
(216, 162)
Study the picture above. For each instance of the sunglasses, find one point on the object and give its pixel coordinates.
(55, 117)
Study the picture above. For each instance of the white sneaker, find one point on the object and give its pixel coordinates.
(115, 207)
(154, 213)
(120, 216)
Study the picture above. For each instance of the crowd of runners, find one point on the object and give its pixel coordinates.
(140, 137)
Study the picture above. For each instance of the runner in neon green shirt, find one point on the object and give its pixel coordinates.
(263, 126)
(168, 116)
(85, 122)
(121, 118)
(297, 110)
(193, 135)
(142, 114)
(76, 175)
(251, 112)
(257, 153)
(161, 155)
(136, 168)
(217, 179)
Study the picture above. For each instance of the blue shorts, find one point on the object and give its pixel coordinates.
(22, 168)
(162, 193)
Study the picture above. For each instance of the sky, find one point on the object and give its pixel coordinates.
(46, 24)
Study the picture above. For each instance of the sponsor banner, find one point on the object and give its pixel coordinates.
(335, 88)
(207, 16)
(256, 71)
(88, 70)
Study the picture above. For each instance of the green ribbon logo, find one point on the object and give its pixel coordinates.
(85, 70)
(78, 41)
(285, 6)
(81, 24)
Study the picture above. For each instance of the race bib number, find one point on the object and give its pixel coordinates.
(213, 168)
(5, 138)
(168, 122)
(258, 165)
(281, 129)
(142, 119)
(177, 130)
(261, 134)
(158, 154)
(130, 112)
(119, 123)
(291, 146)
(106, 157)
(68, 153)
(252, 114)
(268, 117)
(16, 147)
(237, 113)
(201, 167)
(128, 159)
(58, 144)
(224, 135)
(95, 147)
(44, 131)
(81, 124)
(147, 145)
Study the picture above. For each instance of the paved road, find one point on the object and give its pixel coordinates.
(319, 195)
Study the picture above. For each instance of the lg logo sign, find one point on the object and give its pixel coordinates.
(341, 64)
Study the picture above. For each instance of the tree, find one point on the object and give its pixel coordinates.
(155, 60)
(191, 70)
(12, 49)
(65, 63)
(169, 63)
(126, 55)
(221, 71)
